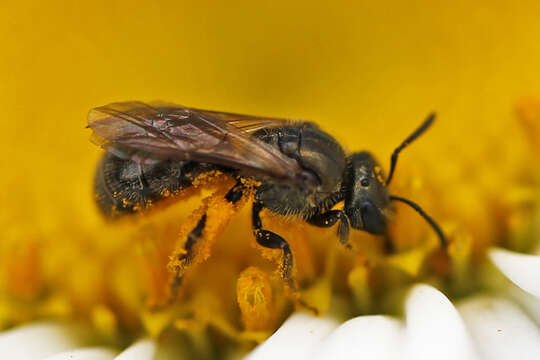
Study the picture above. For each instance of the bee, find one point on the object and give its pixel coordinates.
(153, 150)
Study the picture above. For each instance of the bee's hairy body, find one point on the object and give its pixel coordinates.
(123, 186)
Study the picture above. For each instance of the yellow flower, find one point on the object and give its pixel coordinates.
(368, 74)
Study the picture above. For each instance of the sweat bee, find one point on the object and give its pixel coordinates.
(160, 148)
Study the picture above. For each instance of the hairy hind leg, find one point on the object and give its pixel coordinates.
(217, 210)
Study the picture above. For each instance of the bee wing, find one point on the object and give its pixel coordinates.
(147, 133)
(249, 123)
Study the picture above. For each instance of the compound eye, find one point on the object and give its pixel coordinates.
(364, 182)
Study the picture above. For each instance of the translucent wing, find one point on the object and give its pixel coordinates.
(147, 133)
(248, 123)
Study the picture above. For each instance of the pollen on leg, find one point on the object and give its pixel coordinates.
(217, 213)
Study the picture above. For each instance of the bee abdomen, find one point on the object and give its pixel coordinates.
(125, 186)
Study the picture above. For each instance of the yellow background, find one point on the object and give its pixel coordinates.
(369, 72)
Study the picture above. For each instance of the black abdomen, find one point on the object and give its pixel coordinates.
(124, 186)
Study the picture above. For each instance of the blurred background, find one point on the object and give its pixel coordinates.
(368, 72)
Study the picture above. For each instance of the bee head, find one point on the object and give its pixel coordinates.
(365, 190)
(366, 196)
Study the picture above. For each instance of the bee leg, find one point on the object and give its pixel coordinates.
(186, 258)
(192, 238)
(272, 240)
(329, 219)
(235, 194)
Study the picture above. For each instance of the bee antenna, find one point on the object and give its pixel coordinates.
(428, 218)
(393, 160)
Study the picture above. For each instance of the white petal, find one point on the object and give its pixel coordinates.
(364, 337)
(522, 269)
(529, 303)
(435, 329)
(141, 350)
(84, 354)
(37, 341)
(295, 339)
(500, 329)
